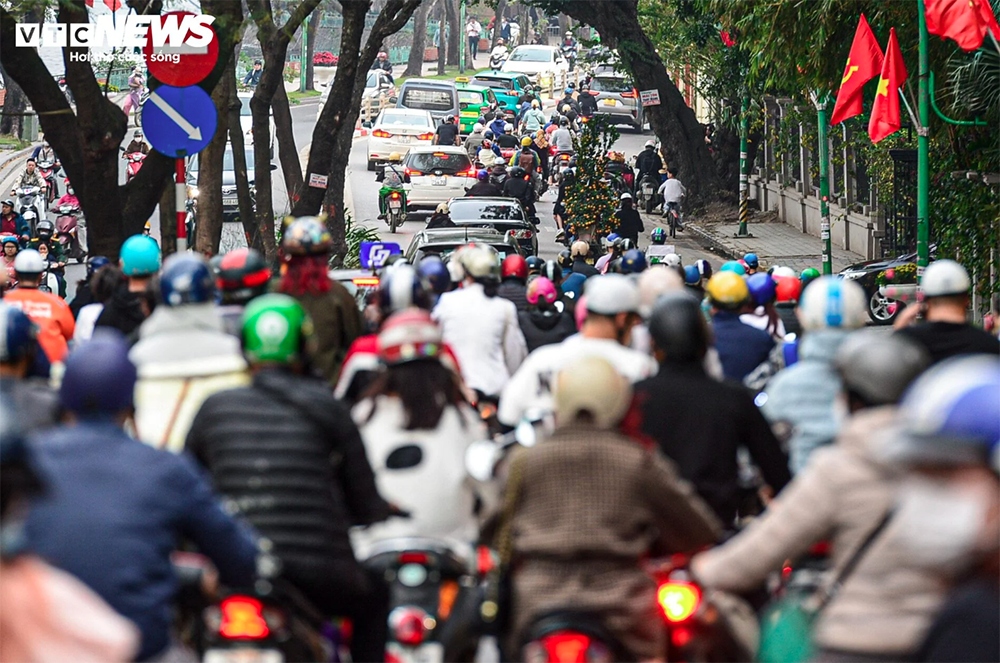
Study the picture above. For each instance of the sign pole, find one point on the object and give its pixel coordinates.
(820, 101)
(180, 201)
(303, 55)
(465, 38)
(744, 169)
(923, 146)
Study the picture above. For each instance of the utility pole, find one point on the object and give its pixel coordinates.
(744, 168)
(303, 55)
(824, 180)
(461, 42)
(923, 146)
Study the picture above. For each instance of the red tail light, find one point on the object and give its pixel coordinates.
(407, 171)
(243, 617)
(367, 281)
(410, 626)
(427, 136)
(523, 234)
(630, 95)
(567, 647)
(484, 561)
(678, 600)
(395, 195)
(413, 558)
(379, 133)
(468, 173)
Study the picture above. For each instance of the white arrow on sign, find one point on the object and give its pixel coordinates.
(194, 133)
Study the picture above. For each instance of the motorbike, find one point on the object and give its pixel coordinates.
(66, 232)
(134, 163)
(395, 208)
(569, 52)
(560, 161)
(29, 199)
(47, 171)
(64, 88)
(646, 193)
(497, 60)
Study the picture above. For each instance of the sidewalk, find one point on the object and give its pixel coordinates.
(774, 242)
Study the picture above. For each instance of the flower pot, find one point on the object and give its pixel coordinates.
(431, 54)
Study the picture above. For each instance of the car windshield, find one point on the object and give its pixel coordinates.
(402, 118)
(531, 55)
(472, 209)
(496, 84)
(372, 80)
(228, 162)
(470, 97)
(610, 84)
(430, 99)
(449, 162)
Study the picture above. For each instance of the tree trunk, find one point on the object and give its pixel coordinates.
(208, 231)
(442, 42)
(168, 221)
(311, 28)
(288, 153)
(243, 197)
(497, 20)
(415, 62)
(452, 14)
(14, 104)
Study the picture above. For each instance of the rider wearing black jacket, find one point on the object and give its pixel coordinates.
(484, 188)
(518, 185)
(649, 162)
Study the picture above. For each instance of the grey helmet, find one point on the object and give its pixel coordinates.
(878, 367)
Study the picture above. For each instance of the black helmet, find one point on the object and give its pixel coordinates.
(45, 228)
(534, 264)
(563, 121)
(678, 328)
(488, 135)
(242, 275)
(565, 258)
(552, 271)
(517, 172)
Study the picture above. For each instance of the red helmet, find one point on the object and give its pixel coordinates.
(788, 289)
(514, 265)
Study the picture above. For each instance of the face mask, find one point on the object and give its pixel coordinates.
(938, 525)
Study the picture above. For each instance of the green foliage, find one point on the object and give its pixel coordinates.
(355, 234)
(590, 203)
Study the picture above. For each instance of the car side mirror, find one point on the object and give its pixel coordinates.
(393, 100)
(463, 106)
(366, 125)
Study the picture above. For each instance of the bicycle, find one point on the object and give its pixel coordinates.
(672, 212)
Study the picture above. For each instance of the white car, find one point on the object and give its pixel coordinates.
(397, 130)
(533, 60)
(377, 85)
(246, 122)
(436, 174)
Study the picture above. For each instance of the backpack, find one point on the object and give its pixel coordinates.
(526, 160)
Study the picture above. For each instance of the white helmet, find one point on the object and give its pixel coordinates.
(945, 277)
(508, 127)
(654, 282)
(650, 143)
(592, 386)
(779, 272)
(569, 34)
(830, 302)
(672, 260)
(611, 294)
(29, 261)
(481, 262)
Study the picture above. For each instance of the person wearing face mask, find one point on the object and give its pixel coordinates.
(880, 605)
(949, 507)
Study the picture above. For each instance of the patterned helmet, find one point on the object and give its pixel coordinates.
(306, 236)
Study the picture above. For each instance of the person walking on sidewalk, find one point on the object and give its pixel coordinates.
(472, 31)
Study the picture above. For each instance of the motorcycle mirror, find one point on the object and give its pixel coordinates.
(480, 459)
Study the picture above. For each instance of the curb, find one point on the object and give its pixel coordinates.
(14, 157)
(712, 242)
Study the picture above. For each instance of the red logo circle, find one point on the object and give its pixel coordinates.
(174, 62)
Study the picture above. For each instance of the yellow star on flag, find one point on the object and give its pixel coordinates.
(883, 87)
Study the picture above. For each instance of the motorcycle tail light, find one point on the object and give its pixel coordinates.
(369, 281)
(410, 626)
(395, 195)
(484, 561)
(566, 647)
(379, 133)
(678, 600)
(413, 558)
(446, 598)
(243, 618)
(680, 637)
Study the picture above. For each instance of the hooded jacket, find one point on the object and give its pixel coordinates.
(545, 327)
(802, 395)
(885, 605)
(184, 355)
(123, 311)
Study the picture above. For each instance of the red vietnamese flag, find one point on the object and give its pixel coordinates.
(965, 21)
(863, 64)
(885, 119)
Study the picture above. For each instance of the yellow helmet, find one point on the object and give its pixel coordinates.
(727, 290)
(395, 157)
(526, 141)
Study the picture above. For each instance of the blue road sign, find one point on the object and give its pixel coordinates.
(374, 254)
(179, 121)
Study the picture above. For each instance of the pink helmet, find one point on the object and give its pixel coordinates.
(580, 313)
(541, 288)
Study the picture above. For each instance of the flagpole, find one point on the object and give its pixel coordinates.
(923, 145)
(824, 180)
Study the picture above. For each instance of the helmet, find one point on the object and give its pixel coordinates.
(808, 274)
(526, 141)
(943, 278)
(242, 275)
(831, 302)
(659, 236)
(482, 175)
(44, 228)
(17, 334)
(611, 294)
(612, 240)
(727, 290)
(541, 288)
(552, 271)
(951, 414)
(395, 157)
(569, 34)
(29, 261)
(409, 335)
(625, 196)
(508, 127)
(500, 41)
(751, 260)
(514, 266)
(275, 328)
(580, 248)
(435, 274)
(95, 263)
(704, 268)
(654, 282)
(779, 272)
(140, 256)
(480, 262)
(306, 236)
(401, 288)
(762, 288)
(535, 104)
(517, 172)
(627, 244)
(534, 264)
(879, 367)
(449, 118)
(679, 329)
(672, 260)
(442, 208)
(733, 266)
(488, 135)
(691, 275)
(568, 91)
(592, 386)
(563, 122)
(137, 134)
(633, 261)
(187, 279)
(99, 378)
(787, 289)
(565, 258)
(10, 239)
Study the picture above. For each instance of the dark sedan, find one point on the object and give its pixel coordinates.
(504, 214)
(865, 274)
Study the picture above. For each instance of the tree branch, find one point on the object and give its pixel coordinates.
(287, 31)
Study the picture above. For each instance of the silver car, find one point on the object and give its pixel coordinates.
(616, 96)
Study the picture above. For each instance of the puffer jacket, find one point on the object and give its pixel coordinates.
(292, 460)
(515, 292)
(545, 327)
(337, 322)
(184, 356)
(885, 605)
(802, 396)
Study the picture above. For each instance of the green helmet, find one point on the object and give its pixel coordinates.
(275, 328)
(807, 275)
(659, 236)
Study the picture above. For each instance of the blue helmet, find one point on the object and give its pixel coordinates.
(659, 236)
(140, 256)
(763, 288)
(401, 288)
(435, 274)
(534, 264)
(95, 263)
(733, 266)
(752, 261)
(691, 275)
(704, 268)
(568, 91)
(187, 279)
(482, 175)
(633, 261)
(18, 334)
(99, 378)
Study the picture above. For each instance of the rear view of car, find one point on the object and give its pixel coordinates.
(617, 97)
(436, 174)
(439, 98)
(506, 215)
(397, 130)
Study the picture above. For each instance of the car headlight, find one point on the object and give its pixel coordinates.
(192, 192)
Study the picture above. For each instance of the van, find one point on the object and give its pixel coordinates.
(439, 98)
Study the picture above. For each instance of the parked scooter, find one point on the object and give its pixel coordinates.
(67, 222)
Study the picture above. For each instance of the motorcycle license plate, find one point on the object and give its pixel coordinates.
(430, 652)
(230, 201)
(395, 204)
(439, 181)
(648, 190)
(243, 655)
(610, 102)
